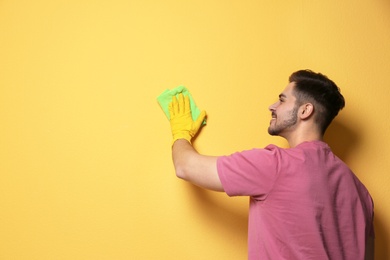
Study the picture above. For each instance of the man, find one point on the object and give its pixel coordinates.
(305, 203)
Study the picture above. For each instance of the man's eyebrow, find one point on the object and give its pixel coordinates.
(282, 95)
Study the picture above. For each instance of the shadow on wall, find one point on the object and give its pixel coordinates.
(381, 239)
(344, 140)
(220, 214)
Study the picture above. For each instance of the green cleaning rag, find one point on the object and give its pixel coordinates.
(166, 97)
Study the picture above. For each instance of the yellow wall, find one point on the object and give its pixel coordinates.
(85, 163)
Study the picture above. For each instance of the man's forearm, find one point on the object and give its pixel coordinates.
(191, 166)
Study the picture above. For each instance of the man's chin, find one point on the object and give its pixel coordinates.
(272, 131)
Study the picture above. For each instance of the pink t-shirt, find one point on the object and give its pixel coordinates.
(305, 203)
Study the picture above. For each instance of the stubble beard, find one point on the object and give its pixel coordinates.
(277, 129)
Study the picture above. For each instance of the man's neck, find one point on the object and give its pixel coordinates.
(299, 138)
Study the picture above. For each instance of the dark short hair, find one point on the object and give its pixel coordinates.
(322, 92)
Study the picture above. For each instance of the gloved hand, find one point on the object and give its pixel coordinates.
(182, 124)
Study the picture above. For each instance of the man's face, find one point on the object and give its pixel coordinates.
(284, 113)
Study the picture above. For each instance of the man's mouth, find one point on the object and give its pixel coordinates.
(273, 117)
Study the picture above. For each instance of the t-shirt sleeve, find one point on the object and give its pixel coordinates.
(249, 173)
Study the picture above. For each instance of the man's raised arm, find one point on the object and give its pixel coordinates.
(189, 165)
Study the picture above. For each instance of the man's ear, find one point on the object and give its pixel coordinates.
(306, 110)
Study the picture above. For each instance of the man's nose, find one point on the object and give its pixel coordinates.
(272, 107)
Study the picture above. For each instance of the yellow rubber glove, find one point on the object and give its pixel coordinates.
(182, 124)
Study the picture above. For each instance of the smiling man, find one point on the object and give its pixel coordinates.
(305, 203)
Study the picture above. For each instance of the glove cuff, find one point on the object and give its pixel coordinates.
(182, 135)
